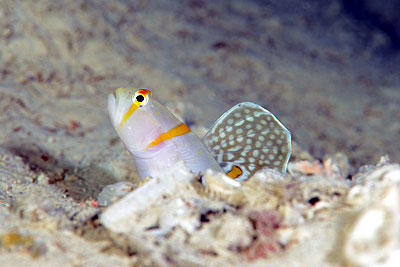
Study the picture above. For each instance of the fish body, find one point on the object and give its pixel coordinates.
(154, 137)
(245, 139)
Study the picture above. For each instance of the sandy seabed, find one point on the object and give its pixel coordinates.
(321, 73)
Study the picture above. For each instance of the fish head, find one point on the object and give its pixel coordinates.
(138, 119)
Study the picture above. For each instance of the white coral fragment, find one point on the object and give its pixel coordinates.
(374, 233)
(133, 209)
(178, 213)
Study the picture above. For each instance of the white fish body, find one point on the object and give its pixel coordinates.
(154, 137)
(245, 139)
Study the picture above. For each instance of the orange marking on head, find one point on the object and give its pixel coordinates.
(181, 129)
(134, 106)
(144, 92)
(235, 172)
(126, 116)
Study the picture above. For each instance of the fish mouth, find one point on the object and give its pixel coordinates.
(111, 100)
(118, 93)
(112, 106)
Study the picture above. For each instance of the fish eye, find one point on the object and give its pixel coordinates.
(140, 98)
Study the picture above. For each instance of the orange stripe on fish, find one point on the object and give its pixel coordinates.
(181, 129)
(235, 172)
(143, 92)
(128, 114)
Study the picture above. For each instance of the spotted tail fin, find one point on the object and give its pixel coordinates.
(248, 138)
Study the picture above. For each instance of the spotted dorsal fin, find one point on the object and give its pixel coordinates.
(248, 138)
